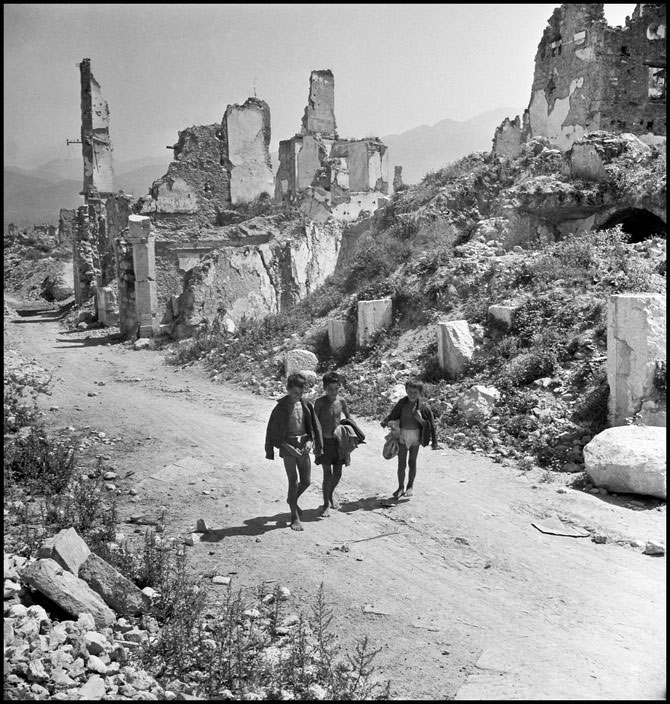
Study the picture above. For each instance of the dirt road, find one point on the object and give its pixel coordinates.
(465, 597)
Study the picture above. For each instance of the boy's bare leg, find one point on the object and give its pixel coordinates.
(304, 467)
(327, 479)
(335, 480)
(290, 465)
(413, 452)
(402, 462)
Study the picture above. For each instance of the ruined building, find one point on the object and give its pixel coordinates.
(324, 175)
(591, 77)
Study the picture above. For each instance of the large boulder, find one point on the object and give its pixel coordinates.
(117, 591)
(297, 360)
(628, 459)
(455, 346)
(69, 592)
(67, 548)
(478, 401)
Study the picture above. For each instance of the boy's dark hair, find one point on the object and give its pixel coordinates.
(296, 379)
(331, 378)
(414, 384)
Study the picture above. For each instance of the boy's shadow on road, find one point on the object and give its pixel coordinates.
(370, 503)
(259, 525)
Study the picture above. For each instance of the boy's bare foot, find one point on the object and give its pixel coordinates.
(324, 511)
(334, 503)
(409, 492)
(398, 493)
(296, 525)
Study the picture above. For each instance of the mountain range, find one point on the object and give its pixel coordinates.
(35, 196)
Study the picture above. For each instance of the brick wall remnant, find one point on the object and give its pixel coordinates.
(636, 339)
(319, 117)
(398, 185)
(96, 144)
(590, 77)
(245, 135)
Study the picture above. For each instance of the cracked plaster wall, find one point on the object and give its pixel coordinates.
(246, 139)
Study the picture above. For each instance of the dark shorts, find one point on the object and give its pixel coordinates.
(298, 441)
(331, 452)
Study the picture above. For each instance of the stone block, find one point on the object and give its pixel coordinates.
(67, 548)
(117, 591)
(503, 315)
(299, 360)
(373, 317)
(337, 334)
(69, 592)
(478, 401)
(455, 346)
(636, 340)
(628, 459)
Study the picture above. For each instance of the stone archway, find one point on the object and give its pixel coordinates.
(637, 223)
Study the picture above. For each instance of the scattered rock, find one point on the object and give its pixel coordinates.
(654, 548)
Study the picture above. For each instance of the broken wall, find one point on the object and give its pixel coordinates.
(255, 280)
(96, 144)
(589, 76)
(245, 135)
(319, 116)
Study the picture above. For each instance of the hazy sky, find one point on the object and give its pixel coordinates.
(165, 67)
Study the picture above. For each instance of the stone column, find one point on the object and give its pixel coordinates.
(455, 346)
(144, 266)
(635, 342)
(373, 317)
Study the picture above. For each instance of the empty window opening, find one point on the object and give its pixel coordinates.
(637, 223)
(656, 83)
(625, 51)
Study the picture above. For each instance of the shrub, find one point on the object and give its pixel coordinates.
(43, 465)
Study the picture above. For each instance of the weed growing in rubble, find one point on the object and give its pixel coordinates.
(244, 646)
(42, 465)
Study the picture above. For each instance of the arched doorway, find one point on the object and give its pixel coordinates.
(637, 223)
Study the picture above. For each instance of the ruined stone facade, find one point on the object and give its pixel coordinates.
(95, 141)
(326, 176)
(590, 77)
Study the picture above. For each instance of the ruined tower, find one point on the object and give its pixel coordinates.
(319, 117)
(96, 145)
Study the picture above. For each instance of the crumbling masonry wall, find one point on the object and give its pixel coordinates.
(245, 135)
(329, 177)
(95, 141)
(589, 77)
(319, 117)
(90, 254)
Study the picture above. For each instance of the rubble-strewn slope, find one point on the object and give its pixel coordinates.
(480, 232)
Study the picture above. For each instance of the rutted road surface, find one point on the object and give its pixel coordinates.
(466, 599)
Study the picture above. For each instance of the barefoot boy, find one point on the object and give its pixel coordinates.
(329, 410)
(294, 429)
(417, 428)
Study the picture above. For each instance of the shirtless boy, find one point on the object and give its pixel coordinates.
(294, 429)
(329, 410)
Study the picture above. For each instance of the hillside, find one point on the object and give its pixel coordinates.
(446, 249)
(36, 196)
